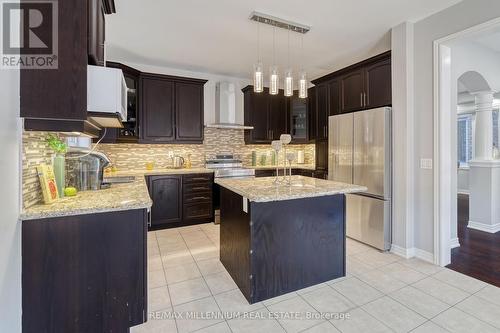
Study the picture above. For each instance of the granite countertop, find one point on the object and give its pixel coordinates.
(159, 172)
(118, 197)
(264, 189)
(273, 167)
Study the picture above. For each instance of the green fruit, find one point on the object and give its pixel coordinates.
(70, 191)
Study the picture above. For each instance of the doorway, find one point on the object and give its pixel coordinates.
(464, 82)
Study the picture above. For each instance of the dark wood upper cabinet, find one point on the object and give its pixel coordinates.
(378, 84)
(273, 115)
(189, 111)
(311, 93)
(171, 109)
(166, 193)
(56, 99)
(322, 110)
(96, 31)
(334, 97)
(157, 113)
(277, 116)
(298, 109)
(352, 90)
(256, 112)
(362, 86)
(60, 94)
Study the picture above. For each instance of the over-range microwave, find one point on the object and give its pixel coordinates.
(106, 96)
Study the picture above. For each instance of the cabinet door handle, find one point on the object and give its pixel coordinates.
(149, 218)
(199, 178)
(361, 99)
(199, 198)
(366, 103)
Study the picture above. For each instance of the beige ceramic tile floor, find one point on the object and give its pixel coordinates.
(381, 293)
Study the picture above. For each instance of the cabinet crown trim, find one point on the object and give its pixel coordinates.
(368, 61)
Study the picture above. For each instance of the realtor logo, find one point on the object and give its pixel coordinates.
(29, 34)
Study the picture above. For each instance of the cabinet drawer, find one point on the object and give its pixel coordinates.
(198, 197)
(198, 178)
(195, 188)
(198, 210)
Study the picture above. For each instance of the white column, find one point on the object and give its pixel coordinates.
(484, 175)
(483, 126)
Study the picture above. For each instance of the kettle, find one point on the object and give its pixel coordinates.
(178, 162)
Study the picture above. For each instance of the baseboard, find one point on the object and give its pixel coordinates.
(403, 252)
(412, 253)
(454, 243)
(490, 228)
(424, 255)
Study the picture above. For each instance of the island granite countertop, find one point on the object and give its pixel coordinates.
(118, 197)
(265, 190)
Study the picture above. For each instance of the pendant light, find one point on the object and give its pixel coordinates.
(258, 70)
(288, 72)
(274, 77)
(303, 74)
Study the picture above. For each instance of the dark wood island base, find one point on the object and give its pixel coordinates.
(278, 247)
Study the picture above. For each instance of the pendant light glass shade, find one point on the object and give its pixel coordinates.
(274, 80)
(288, 83)
(258, 78)
(303, 85)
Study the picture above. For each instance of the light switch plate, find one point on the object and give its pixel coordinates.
(245, 205)
(425, 163)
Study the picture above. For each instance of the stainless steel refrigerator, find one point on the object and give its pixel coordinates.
(360, 152)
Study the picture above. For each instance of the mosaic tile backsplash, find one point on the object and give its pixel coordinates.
(134, 156)
(35, 152)
(217, 141)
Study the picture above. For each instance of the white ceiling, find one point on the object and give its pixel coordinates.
(217, 36)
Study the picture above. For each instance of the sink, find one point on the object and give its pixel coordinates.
(118, 180)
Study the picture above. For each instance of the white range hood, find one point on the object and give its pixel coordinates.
(225, 107)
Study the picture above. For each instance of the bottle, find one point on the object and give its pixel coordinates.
(188, 162)
(254, 158)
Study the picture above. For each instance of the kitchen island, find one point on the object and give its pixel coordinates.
(278, 238)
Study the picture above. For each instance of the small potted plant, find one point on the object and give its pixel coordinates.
(59, 163)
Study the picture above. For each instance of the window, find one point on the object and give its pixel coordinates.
(464, 139)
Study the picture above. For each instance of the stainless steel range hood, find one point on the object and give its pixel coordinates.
(225, 107)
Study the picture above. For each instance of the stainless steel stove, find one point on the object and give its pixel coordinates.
(226, 166)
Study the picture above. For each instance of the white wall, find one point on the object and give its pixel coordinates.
(209, 92)
(451, 20)
(402, 118)
(10, 228)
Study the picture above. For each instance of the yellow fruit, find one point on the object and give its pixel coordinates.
(70, 191)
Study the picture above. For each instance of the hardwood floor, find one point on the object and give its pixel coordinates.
(479, 252)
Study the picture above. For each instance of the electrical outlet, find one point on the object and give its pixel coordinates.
(425, 163)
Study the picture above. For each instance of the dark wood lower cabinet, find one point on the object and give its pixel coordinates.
(272, 173)
(180, 200)
(282, 246)
(166, 192)
(84, 273)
